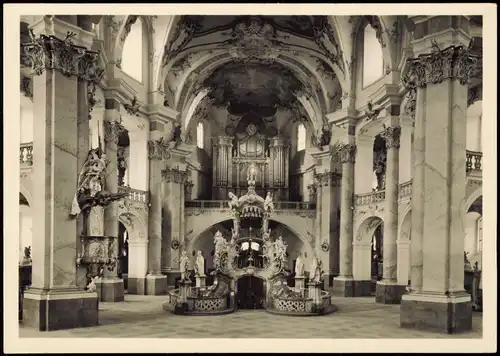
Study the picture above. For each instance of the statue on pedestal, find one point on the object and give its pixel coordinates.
(299, 266)
(184, 266)
(268, 203)
(280, 253)
(316, 272)
(199, 265)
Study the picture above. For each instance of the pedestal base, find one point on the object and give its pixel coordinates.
(437, 313)
(112, 290)
(362, 288)
(58, 310)
(343, 287)
(156, 285)
(201, 282)
(389, 292)
(136, 286)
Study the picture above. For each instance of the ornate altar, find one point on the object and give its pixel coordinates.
(250, 252)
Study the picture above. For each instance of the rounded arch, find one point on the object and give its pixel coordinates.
(186, 100)
(26, 194)
(404, 230)
(147, 37)
(135, 226)
(472, 198)
(366, 228)
(198, 233)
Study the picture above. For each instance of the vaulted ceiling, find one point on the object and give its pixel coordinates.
(258, 62)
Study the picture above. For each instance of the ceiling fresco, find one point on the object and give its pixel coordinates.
(303, 26)
(244, 86)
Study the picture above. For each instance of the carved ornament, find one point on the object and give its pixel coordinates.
(344, 152)
(112, 130)
(133, 107)
(160, 148)
(454, 62)
(392, 136)
(174, 175)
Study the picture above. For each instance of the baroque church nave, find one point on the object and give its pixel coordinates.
(209, 159)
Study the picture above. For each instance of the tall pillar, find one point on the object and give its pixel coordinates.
(439, 302)
(174, 176)
(388, 291)
(138, 266)
(112, 286)
(345, 152)
(54, 301)
(327, 224)
(158, 151)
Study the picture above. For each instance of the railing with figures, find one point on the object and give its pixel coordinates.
(473, 161)
(223, 204)
(137, 195)
(26, 154)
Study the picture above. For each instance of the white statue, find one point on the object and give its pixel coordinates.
(280, 249)
(233, 203)
(251, 174)
(184, 266)
(268, 202)
(316, 272)
(220, 242)
(199, 265)
(234, 235)
(266, 235)
(299, 266)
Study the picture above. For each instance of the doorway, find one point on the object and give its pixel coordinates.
(250, 293)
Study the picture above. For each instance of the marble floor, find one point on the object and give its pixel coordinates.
(143, 316)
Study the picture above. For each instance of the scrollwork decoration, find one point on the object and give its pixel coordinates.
(392, 136)
(112, 130)
(175, 244)
(325, 246)
(344, 152)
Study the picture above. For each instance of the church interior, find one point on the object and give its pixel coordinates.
(251, 168)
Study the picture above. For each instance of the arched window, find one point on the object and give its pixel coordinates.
(133, 51)
(301, 137)
(373, 57)
(199, 135)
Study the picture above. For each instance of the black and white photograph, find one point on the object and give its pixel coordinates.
(223, 173)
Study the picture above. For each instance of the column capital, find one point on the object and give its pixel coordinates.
(112, 130)
(325, 179)
(392, 135)
(454, 62)
(63, 55)
(175, 175)
(160, 148)
(344, 152)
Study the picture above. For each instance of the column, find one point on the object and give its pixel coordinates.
(439, 302)
(363, 181)
(346, 153)
(388, 291)
(54, 301)
(405, 150)
(112, 289)
(156, 282)
(138, 266)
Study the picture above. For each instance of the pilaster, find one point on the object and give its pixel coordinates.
(437, 300)
(54, 301)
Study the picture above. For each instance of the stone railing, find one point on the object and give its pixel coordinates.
(405, 189)
(369, 198)
(137, 195)
(223, 204)
(473, 161)
(26, 154)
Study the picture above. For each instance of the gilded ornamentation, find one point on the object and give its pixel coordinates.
(454, 62)
(174, 175)
(26, 86)
(345, 152)
(133, 107)
(392, 136)
(160, 148)
(371, 113)
(112, 130)
(411, 103)
(52, 53)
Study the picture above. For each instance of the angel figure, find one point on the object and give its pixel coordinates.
(268, 203)
(280, 249)
(220, 242)
(316, 272)
(184, 266)
(233, 203)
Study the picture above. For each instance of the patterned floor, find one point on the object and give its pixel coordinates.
(143, 316)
